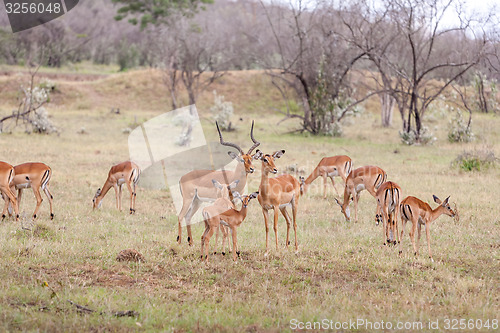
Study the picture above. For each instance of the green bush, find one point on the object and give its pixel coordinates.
(475, 160)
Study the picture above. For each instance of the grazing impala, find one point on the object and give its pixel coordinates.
(278, 193)
(330, 167)
(197, 187)
(365, 178)
(34, 175)
(420, 213)
(124, 173)
(231, 218)
(388, 198)
(6, 175)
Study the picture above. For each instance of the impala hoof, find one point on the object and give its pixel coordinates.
(215, 252)
(178, 238)
(34, 216)
(238, 253)
(51, 216)
(3, 216)
(223, 253)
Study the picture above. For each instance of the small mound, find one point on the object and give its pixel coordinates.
(130, 255)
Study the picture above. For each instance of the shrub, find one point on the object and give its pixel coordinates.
(222, 112)
(475, 160)
(459, 130)
(410, 138)
(41, 123)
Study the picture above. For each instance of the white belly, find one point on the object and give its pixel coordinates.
(286, 205)
(23, 186)
(334, 173)
(121, 181)
(360, 187)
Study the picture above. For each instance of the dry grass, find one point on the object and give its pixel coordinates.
(342, 272)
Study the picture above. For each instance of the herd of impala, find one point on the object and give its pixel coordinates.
(222, 188)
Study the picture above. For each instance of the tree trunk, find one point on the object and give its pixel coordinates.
(387, 102)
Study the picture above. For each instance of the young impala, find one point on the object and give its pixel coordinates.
(197, 187)
(388, 198)
(420, 213)
(330, 167)
(365, 178)
(231, 218)
(34, 175)
(278, 193)
(124, 173)
(6, 175)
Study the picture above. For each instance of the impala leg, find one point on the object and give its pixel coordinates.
(193, 209)
(295, 207)
(335, 188)
(207, 241)
(428, 236)
(117, 196)
(403, 225)
(50, 198)
(207, 228)
(275, 226)
(120, 197)
(355, 198)
(39, 199)
(19, 196)
(129, 186)
(5, 206)
(181, 216)
(414, 223)
(134, 187)
(324, 185)
(418, 239)
(265, 212)
(13, 200)
(385, 221)
(233, 234)
(288, 224)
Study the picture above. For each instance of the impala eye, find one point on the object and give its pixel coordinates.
(265, 160)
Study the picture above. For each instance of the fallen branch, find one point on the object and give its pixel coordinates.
(84, 309)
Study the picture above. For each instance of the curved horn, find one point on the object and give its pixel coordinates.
(229, 144)
(255, 142)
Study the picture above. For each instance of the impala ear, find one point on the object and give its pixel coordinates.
(436, 199)
(235, 156)
(234, 184)
(254, 195)
(258, 155)
(278, 153)
(237, 195)
(338, 203)
(446, 201)
(216, 184)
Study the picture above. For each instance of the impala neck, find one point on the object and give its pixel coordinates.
(242, 214)
(310, 179)
(264, 180)
(435, 213)
(105, 188)
(346, 197)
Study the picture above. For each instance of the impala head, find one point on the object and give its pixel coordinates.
(268, 165)
(445, 206)
(223, 190)
(344, 208)
(96, 203)
(241, 157)
(246, 199)
(302, 181)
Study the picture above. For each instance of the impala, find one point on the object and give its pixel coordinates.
(330, 167)
(231, 218)
(124, 173)
(278, 193)
(419, 212)
(197, 187)
(6, 175)
(388, 198)
(34, 175)
(364, 178)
